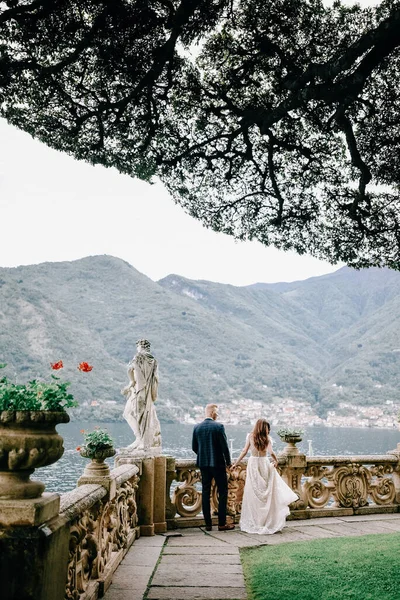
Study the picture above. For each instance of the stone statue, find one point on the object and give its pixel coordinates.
(141, 393)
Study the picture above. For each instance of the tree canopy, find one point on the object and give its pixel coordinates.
(276, 121)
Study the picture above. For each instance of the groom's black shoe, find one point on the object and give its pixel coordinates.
(227, 527)
(208, 527)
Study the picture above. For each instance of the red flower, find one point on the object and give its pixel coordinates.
(82, 431)
(78, 448)
(57, 365)
(85, 367)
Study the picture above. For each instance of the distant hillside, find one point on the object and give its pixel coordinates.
(324, 340)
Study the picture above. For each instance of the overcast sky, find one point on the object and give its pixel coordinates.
(54, 208)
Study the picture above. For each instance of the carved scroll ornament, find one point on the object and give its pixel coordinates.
(236, 481)
(186, 497)
(317, 489)
(83, 550)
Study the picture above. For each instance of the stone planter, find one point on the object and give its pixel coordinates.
(97, 467)
(291, 441)
(28, 440)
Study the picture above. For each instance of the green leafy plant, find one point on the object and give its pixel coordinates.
(36, 394)
(287, 432)
(96, 440)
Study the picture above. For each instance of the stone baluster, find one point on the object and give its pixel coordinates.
(170, 508)
(160, 467)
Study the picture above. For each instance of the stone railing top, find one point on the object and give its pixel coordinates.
(83, 497)
(365, 459)
(185, 463)
(80, 499)
(124, 473)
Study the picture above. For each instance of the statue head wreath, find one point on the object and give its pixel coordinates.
(144, 344)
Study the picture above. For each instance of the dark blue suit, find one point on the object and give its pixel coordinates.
(210, 444)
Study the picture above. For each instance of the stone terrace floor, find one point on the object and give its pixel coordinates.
(192, 564)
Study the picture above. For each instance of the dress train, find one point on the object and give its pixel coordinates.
(266, 498)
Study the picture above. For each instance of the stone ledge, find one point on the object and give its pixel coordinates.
(315, 513)
(74, 503)
(386, 509)
(124, 472)
(196, 593)
(29, 512)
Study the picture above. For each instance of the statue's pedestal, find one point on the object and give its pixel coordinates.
(152, 487)
(140, 452)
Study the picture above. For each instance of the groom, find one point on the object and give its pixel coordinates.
(210, 444)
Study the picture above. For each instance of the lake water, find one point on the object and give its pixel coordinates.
(63, 475)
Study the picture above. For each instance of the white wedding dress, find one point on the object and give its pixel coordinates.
(266, 496)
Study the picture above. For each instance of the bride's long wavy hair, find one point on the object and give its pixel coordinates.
(260, 434)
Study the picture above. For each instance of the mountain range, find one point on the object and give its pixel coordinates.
(323, 340)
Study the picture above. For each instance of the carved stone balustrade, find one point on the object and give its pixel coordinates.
(103, 524)
(326, 486)
(351, 482)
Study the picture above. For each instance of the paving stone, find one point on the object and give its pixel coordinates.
(316, 521)
(369, 527)
(224, 549)
(250, 540)
(391, 525)
(144, 557)
(134, 570)
(198, 579)
(175, 569)
(372, 517)
(274, 540)
(238, 539)
(124, 594)
(318, 532)
(190, 530)
(127, 577)
(151, 540)
(341, 529)
(193, 593)
(215, 559)
(384, 527)
(288, 531)
(287, 535)
(195, 540)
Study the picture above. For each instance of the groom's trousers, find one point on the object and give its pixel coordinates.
(221, 481)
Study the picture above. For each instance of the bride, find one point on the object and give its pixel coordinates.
(266, 496)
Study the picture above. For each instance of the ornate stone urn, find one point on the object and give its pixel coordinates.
(97, 467)
(291, 439)
(28, 440)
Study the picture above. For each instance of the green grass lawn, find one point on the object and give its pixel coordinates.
(360, 568)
